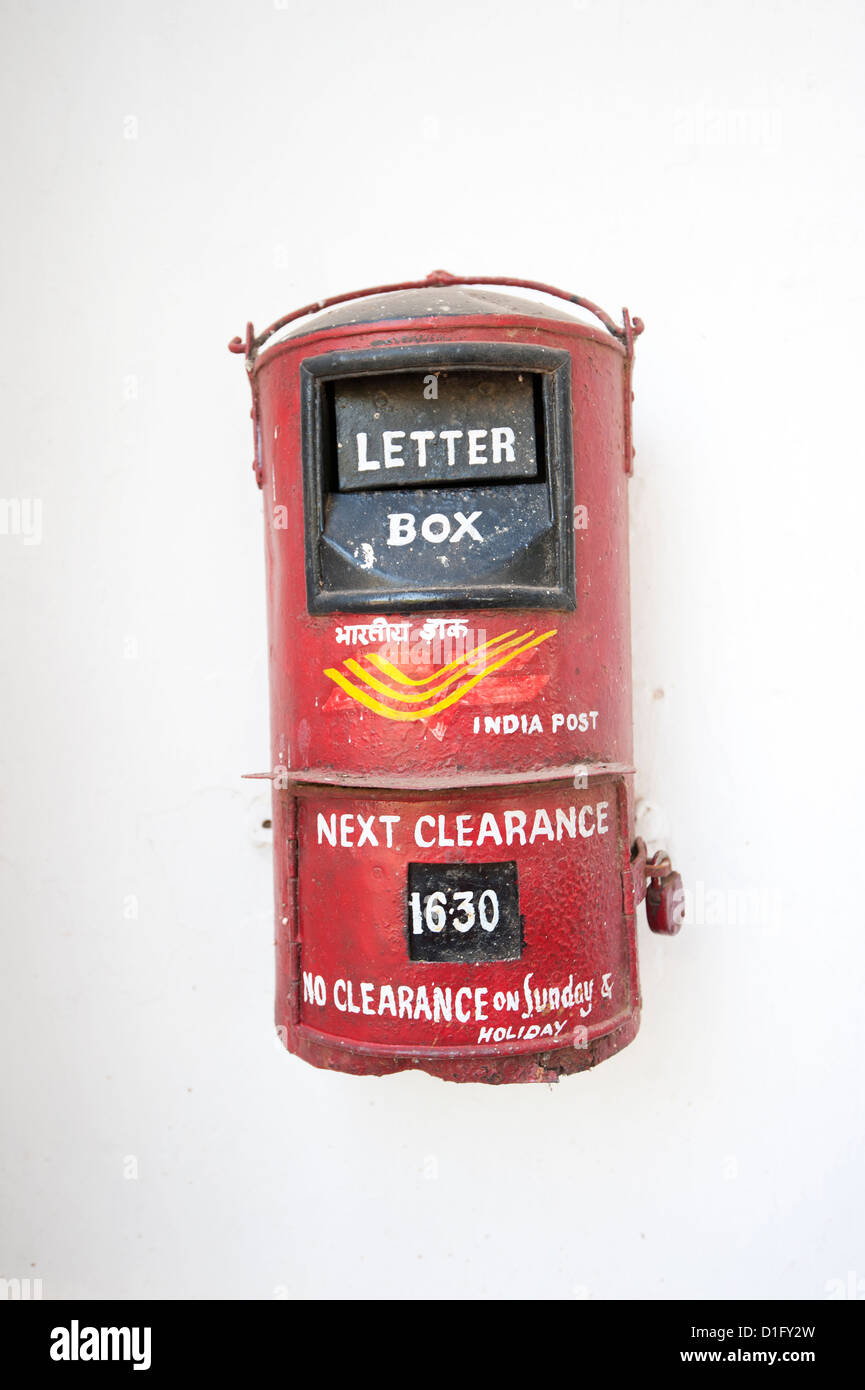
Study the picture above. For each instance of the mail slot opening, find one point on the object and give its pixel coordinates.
(438, 475)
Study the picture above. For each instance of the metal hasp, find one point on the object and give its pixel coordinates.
(444, 467)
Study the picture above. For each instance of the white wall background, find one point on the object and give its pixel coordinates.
(173, 169)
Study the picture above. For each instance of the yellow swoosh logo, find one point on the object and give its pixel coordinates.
(368, 700)
(415, 697)
(470, 659)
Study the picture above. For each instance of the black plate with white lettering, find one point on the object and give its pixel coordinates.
(416, 429)
(463, 912)
(462, 498)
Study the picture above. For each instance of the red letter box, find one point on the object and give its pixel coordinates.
(445, 480)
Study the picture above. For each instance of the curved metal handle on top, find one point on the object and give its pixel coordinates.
(629, 330)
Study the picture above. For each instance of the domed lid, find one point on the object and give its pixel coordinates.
(439, 295)
(454, 300)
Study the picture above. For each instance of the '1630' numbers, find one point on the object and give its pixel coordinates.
(462, 910)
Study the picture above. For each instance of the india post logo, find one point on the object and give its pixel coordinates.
(388, 691)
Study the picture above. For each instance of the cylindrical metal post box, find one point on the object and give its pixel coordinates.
(444, 470)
